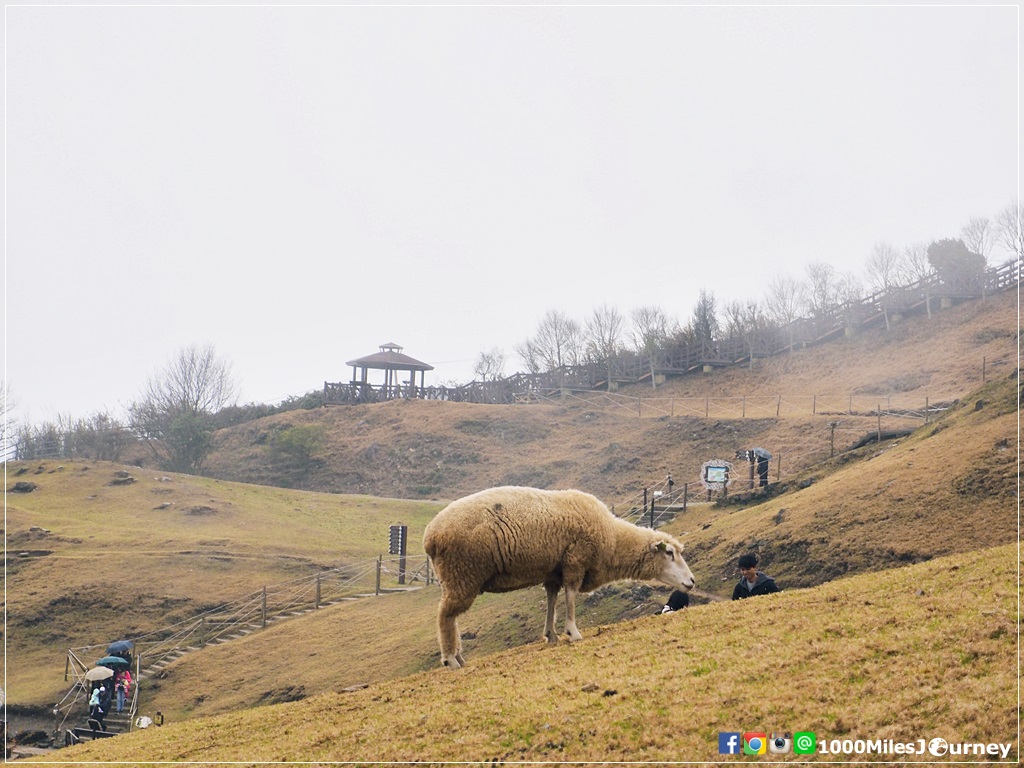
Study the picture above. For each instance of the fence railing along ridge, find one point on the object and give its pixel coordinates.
(217, 622)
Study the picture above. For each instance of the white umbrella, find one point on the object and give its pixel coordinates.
(99, 673)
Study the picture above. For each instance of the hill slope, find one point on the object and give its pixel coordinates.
(112, 560)
(98, 552)
(875, 509)
(886, 656)
(949, 488)
(417, 449)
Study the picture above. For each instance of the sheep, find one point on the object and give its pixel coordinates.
(508, 538)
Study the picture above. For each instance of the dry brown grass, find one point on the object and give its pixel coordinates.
(951, 488)
(866, 514)
(366, 641)
(917, 652)
(113, 565)
(446, 450)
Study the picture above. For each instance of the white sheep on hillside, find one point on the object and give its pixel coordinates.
(508, 538)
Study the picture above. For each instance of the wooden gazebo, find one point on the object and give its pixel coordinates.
(392, 361)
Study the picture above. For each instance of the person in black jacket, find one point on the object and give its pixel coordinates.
(753, 582)
(676, 602)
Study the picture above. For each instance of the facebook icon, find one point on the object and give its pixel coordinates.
(728, 743)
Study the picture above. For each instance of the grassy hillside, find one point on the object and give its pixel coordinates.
(365, 641)
(917, 652)
(949, 487)
(878, 508)
(113, 561)
(446, 450)
(94, 554)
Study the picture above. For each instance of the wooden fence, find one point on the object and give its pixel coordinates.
(631, 367)
(257, 610)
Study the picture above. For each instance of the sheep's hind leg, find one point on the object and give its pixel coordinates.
(570, 613)
(549, 627)
(448, 629)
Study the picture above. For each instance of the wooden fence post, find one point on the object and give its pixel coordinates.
(814, 406)
(377, 588)
(264, 607)
(926, 414)
(879, 423)
(317, 603)
(778, 407)
(686, 495)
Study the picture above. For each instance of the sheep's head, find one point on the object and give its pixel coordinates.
(671, 567)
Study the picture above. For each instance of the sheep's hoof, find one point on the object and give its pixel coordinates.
(452, 662)
(552, 639)
(574, 637)
(458, 658)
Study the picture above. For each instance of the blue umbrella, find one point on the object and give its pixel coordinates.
(119, 647)
(113, 661)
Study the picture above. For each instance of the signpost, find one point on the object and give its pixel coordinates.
(397, 538)
(716, 475)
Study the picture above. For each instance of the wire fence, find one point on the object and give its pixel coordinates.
(923, 407)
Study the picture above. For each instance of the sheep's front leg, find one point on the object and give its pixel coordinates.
(549, 627)
(570, 613)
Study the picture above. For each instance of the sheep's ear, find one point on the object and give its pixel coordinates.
(658, 547)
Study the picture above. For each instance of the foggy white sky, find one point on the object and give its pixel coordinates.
(298, 185)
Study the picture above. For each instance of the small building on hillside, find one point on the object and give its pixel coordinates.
(394, 363)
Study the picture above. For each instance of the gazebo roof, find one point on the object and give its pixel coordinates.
(391, 358)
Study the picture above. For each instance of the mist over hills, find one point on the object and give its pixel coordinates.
(946, 490)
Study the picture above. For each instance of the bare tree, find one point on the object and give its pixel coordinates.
(883, 267)
(528, 352)
(650, 333)
(916, 268)
(557, 343)
(822, 295)
(783, 302)
(977, 235)
(849, 289)
(1008, 230)
(746, 320)
(604, 336)
(883, 270)
(490, 366)
(174, 415)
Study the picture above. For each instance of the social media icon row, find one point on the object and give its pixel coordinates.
(754, 743)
